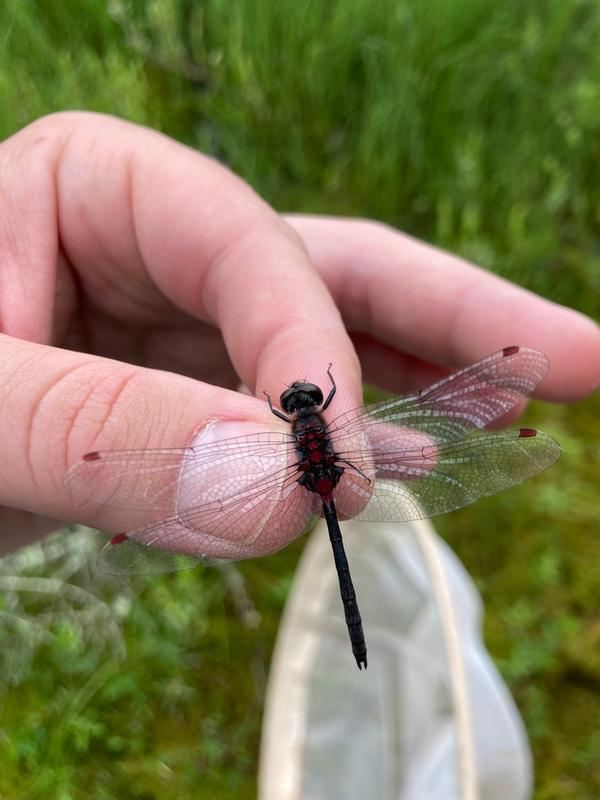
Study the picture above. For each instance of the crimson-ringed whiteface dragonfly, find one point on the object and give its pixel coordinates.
(407, 458)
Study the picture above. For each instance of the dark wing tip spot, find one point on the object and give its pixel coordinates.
(510, 351)
(94, 456)
(119, 538)
(525, 433)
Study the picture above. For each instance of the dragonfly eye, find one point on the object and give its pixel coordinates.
(300, 395)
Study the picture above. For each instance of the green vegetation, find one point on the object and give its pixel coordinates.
(474, 125)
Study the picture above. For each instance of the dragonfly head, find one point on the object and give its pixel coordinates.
(300, 395)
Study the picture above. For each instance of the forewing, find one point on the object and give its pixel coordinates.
(469, 399)
(237, 498)
(436, 479)
(155, 480)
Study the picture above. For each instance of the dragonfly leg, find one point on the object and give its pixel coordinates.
(274, 410)
(354, 467)
(331, 394)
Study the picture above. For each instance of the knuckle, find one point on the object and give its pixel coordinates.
(102, 409)
(70, 415)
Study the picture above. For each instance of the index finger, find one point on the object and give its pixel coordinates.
(142, 218)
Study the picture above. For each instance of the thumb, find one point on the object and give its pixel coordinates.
(58, 405)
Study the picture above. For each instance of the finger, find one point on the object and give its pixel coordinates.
(441, 309)
(390, 369)
(58, 405)
(141, 218)
(28, 238)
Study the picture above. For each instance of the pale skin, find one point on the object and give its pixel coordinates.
(141, 282)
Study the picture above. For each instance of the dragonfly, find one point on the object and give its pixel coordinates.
(406, 458)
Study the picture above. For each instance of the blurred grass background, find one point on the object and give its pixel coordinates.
(474, 125)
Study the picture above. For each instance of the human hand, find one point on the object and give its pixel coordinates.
(117, 243)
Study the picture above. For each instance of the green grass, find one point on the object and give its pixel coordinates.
(474, 125)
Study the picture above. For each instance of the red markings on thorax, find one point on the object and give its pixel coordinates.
(324, 486)
(316, 458)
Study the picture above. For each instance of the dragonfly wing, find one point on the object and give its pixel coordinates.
(469, 399)
(155, 480)
(144, 479)
(259, 520)
(436, 479)
(123, 555)
(256, 522)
